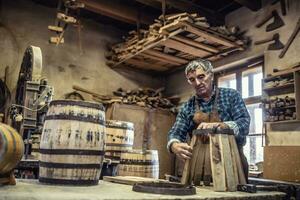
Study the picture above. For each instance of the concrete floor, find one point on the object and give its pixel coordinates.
(33, 190)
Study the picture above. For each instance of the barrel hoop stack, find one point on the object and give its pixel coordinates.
(72, 143)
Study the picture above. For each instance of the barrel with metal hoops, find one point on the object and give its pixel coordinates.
(119, 138)
(72, 143)
(139, 163)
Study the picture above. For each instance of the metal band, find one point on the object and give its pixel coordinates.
(70, 165)
(118, 145)
(139, 162)
(122, 126)
(164, 188)
(77, 103)
(75, 118)
(71, 152)
(68, 182)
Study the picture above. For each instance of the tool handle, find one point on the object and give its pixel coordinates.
(263, 41)
(264, 20)
(291, 39)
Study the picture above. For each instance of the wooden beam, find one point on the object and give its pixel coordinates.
(117, 10)
(185, 48)
(159, 59)
(209, 36)
(253, 5)
(166, 57)
(145, 65)
(189, 6)
(196, 44)
(150, 3)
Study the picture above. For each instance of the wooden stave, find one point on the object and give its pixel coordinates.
(66, 172)
(10, 157)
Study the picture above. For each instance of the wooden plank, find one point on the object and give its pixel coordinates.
(217, 164)
(196, 44)
(234, 149)
(234, 162)
(185, 179)
(185, 48)
(207, 162)
(199, 169)
(165, 56)
(145, 65)
(209, 36)
(159, 59)
(282, 163)
(228, 164)
(194, 159)
(130, 180)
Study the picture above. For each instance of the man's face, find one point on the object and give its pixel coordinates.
(201, 81)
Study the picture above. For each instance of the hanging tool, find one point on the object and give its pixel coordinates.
(276, 45)
(282, 5)
(277, 23)
(291, 39)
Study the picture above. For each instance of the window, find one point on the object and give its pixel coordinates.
(248, 81)
(228, 81)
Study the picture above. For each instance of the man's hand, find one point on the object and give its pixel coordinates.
(182, 150)
(204, 125)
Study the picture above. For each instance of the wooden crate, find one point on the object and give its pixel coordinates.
(282, 163)
(151, 129)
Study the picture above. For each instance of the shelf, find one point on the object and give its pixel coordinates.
(283, 121)
(281, 87)
(283, 73)
(284, 107)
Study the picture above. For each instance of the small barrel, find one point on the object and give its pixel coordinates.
(11, 148)
(139, 163)
(119, 138)
(72, 143)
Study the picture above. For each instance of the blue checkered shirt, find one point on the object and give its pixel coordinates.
(231, 109)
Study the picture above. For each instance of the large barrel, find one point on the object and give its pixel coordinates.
(139, 163)
(11, 148)
(119, 138)
(72, 143)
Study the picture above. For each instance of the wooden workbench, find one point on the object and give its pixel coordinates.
(32, 189)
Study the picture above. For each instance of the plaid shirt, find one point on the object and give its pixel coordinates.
(231, 109)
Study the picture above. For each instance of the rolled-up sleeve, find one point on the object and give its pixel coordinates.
(240, 117)
(180, 128)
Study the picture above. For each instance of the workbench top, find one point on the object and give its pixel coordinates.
(32, 190)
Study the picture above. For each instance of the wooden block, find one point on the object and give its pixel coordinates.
(217, 164)
(66, 18)
(55, 28)
(235, 151)
(228, 164)
(282, 163)
(54, 40)
(234, 163)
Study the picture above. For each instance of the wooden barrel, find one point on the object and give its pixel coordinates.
(11, 148)
(119, 138)
(72, 143)
(139, 163)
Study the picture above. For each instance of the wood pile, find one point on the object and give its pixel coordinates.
(173, 40)
(145, 97)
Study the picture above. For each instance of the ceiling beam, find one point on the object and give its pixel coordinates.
(189, 6)
(151, 3)
(119, 11)
(253, 5)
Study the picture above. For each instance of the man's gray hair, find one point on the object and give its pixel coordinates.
(195, 64)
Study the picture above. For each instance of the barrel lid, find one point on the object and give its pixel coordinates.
(87, 104)
(119, 124)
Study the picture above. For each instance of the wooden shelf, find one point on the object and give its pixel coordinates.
(165, 47)
(283, 121)
(284, 107)
(283, 73)
(280, 87)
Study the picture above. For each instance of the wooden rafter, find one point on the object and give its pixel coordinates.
(117, 11)
(185, 48)
(253, 5)
(166, 57)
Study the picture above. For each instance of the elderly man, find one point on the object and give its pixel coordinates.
(221, 107)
